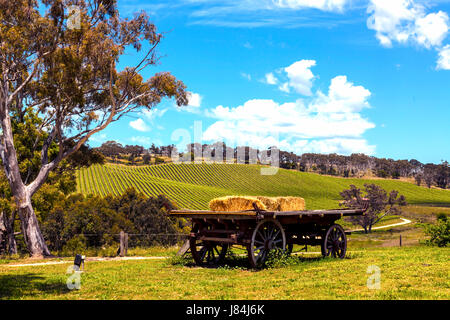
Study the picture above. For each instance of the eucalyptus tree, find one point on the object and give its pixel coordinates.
(60, 58)
(380, 204)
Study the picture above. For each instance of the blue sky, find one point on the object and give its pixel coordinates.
(309, 76)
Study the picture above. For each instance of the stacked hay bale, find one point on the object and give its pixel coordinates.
(242, 203)
(235, 203)
(290, 204)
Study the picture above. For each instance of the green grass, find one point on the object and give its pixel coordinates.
(194, 185)
(406, 273)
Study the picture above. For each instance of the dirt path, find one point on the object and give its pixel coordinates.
(405, 221)
(87, 260)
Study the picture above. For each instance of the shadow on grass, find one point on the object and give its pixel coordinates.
(240, 262)
(28, 285)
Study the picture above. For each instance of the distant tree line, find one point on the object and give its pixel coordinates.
(354, 165)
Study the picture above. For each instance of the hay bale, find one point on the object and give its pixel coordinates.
(283, 203)
(241, 203)
(235, 203)
(290, 203)
(270, 203)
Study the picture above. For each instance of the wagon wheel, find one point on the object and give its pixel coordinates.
(268, 235)
(334, 242)
(207, 253)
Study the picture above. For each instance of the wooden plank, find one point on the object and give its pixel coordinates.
(215, 239)
(214, 216)
(184, 248)
(251, 214)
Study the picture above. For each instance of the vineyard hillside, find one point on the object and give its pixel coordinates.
(194, 185)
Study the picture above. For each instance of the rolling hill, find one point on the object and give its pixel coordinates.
(193, 185)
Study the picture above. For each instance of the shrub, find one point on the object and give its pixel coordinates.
(100, 220)
(439, 233)
(279, 259)
(76, 245)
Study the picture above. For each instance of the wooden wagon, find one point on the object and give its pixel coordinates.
(260, 231)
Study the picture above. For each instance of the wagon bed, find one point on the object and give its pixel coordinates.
(255, 214)
(262, 231)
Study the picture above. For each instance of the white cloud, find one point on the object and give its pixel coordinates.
(141, 140)
(342, 96)
(327, 123)
(270, 78)
(405, 21)
(139, 125)
(194, 103)
(284, 87)
(432, 29)
(326, 5)
(246, 76)
(98, 138)
(195, 100)
(153, 113)
(335, 145)
(392, 19)
(444, 58)
(298, 77)
(248, 45)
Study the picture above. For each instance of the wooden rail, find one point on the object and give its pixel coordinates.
(252, 214)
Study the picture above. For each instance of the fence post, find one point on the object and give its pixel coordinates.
(125, 240)
(122, 244)
(400, 240)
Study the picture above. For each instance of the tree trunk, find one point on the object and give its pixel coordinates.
(3, 233)
(7, 233)
(31, 232)
(12, 244)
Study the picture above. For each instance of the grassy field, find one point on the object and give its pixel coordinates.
(413, 271)
(193, 185)
(406, 273)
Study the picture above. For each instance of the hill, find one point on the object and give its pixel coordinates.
(193, 185)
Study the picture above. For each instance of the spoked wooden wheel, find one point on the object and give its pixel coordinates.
(334, 242)
(207, 253)
(268, 235)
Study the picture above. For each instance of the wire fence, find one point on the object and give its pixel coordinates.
(111, 244)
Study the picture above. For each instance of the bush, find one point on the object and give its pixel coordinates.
(279, 259)
(76, 245)
(439, 233)
(99, 221)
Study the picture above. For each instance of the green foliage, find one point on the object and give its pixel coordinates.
(441, 216)
(279, 259)
(177, 260)
(75, 245)
(99, 221)
(439, 233)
